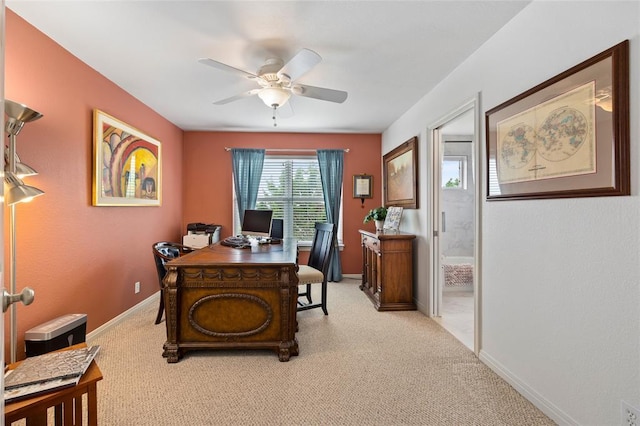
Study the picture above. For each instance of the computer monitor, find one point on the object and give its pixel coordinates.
(257, 223)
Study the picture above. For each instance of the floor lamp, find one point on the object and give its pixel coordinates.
(16, 191)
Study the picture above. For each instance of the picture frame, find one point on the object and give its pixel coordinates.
(566, 137)
(362, 186)
(126, 164)
(400, 169)
(392, 221)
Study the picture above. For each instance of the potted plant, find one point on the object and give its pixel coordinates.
(379, 214)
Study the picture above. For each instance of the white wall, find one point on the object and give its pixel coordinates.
(561, 278)
(458, 204)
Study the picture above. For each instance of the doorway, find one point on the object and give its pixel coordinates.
(455, 213)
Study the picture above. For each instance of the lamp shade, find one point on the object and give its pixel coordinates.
(22, 170)
(16, 191)
(17, 115)
(274, 96)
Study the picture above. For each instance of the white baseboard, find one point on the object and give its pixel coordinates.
(553, 412)
(106, 326)
(352, 276)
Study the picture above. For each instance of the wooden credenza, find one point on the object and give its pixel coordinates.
(387, 269)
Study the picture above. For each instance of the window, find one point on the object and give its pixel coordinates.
(454, 171)
(494, 184)
(291, 187)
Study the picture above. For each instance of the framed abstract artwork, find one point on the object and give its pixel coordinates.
(126, 164)
(566, 137)
(400, 168)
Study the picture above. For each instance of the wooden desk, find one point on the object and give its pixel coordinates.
(220, 297)
(67, 402)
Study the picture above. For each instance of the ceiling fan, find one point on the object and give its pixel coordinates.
(278, 81)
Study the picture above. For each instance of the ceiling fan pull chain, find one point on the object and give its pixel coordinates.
(274, 115)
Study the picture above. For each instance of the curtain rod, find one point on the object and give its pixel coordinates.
(226, 148)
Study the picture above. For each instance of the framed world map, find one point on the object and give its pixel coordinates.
(567, 137)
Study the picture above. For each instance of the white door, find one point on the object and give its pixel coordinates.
(455, 217)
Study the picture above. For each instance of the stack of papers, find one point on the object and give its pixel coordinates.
(48, 372)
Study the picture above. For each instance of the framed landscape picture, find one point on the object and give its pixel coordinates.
(400, 167)
(566, 137)
(127, 164)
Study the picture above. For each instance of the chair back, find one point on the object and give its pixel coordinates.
(277, 229)
(162, 253)
(322, 247)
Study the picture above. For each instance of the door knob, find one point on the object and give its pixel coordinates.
(26, 297)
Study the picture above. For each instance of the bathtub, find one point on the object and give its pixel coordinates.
(458, 272)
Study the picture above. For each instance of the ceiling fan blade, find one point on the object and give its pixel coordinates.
(300, 64)
(227, 68)
(331, 95)
(237, 97)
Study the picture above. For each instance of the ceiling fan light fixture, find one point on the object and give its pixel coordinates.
(274, 96)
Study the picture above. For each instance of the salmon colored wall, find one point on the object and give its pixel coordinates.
(79, 258)
(84, 259)
(208, 178)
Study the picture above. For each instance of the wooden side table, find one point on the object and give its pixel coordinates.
(67, 402)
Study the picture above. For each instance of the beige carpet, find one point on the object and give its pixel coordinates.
(356, 366)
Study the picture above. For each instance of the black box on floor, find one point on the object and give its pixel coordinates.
(56, 334)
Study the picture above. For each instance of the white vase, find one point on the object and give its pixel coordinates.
(379, 225)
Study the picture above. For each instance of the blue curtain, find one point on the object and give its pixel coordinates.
(247, 171)
(331, 163)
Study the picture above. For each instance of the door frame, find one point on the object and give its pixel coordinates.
(2, 283)
(434, 136)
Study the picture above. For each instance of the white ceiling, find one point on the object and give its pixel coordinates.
(385, 54)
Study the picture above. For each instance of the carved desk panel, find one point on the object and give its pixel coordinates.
(220, 297)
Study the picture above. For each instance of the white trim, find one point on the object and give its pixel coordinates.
(123, 316)
(543, 404)
(433, 135)
(352, 276)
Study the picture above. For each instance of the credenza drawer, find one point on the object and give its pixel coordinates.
(371, 243)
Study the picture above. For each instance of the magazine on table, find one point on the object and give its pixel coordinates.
(49, 372)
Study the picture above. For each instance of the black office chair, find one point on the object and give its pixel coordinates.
(277, 229)
(315, 271)
(163, 252)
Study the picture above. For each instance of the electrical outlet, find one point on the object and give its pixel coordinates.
(136, 287)
(630, 416)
